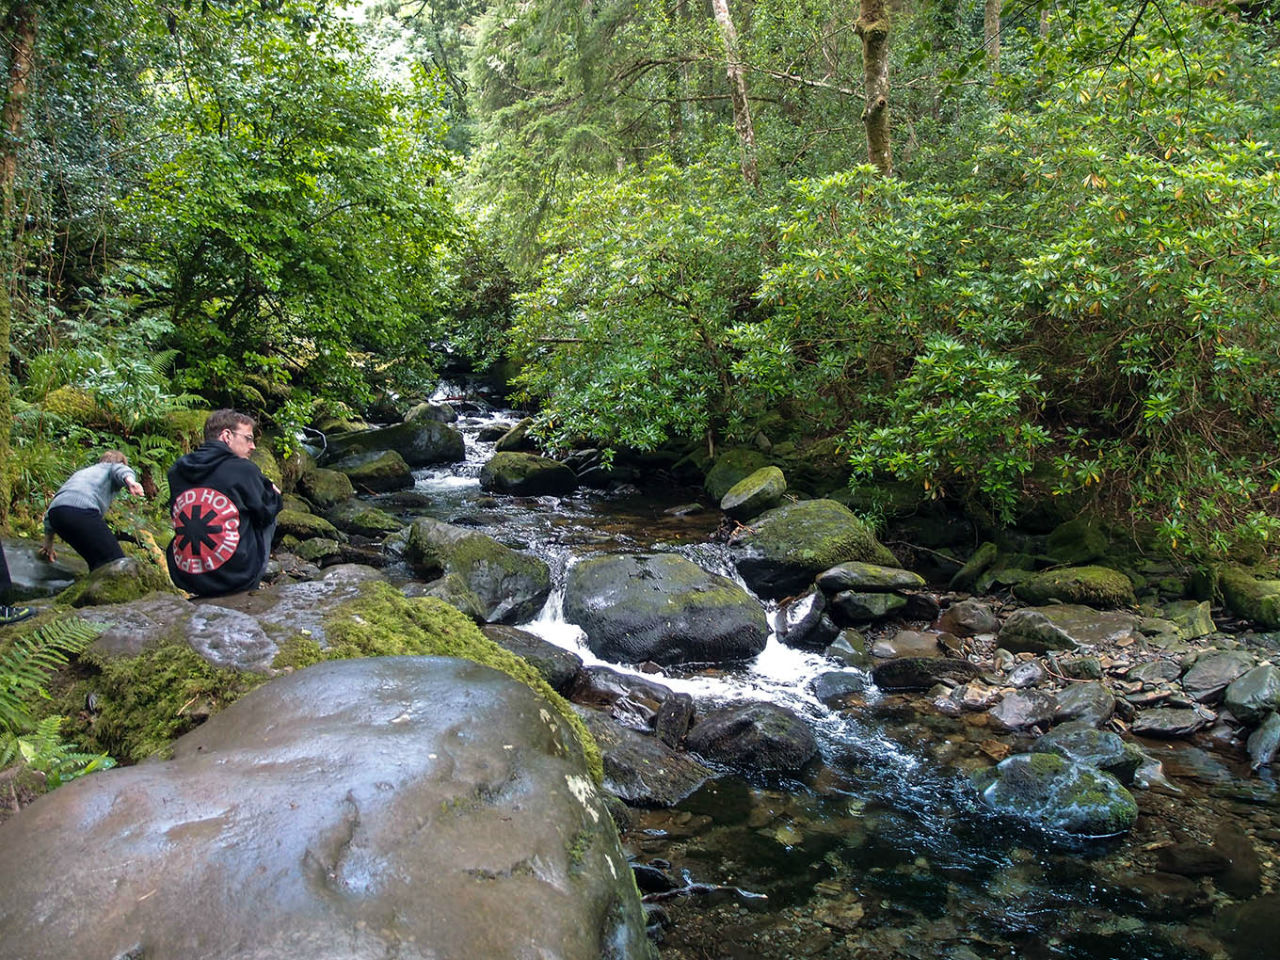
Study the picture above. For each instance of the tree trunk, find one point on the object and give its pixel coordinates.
(991, 35)
(20, 38)
(873, 28)
(738, 93)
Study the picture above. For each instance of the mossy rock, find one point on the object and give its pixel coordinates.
(266, 461)
(119, 581)
(333, 425)
(1094, 586)
(1077, 542)
(784, 549)
(730, 468)
(1246, 596)
(325, 488)
(1059, 794)
(517, 439)
(421, 443)
(318, 549)
(982, 560)
(304, 526)
(184, 426)
(754, 494)
(527, 475)
(362, 518)
(377, 472)
(79, 406)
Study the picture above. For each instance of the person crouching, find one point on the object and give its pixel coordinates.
(77, 511)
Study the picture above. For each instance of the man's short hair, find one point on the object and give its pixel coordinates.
(113, 456)
(225, 419)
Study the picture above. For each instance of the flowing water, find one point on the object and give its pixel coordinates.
(880, 850)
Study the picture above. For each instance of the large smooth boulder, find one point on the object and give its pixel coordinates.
(432, 410)
(731, 467)
(401, 806)
(1094, 586)
(1214, 671)
(784, 549)
(498, 584)
(664, 608)
(1103, 749)
(378, 471)
(527, 475)
(1058, 794)
(754, 737)
(325, 488)
(363, 519)
(1253, 695)
(1064, 627)
(421, 443)
(754, 494)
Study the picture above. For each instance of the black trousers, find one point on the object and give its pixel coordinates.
(87, 533)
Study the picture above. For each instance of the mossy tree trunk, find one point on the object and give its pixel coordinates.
(20, 42)
(738, 94)
(991, 34)
(873, 28)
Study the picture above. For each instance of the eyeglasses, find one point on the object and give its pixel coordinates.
(242, 436)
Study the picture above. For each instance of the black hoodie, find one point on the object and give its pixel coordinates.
(221, 506)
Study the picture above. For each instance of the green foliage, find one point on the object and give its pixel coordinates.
(27, 662)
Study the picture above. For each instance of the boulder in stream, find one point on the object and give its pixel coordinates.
(1064, 626)
(1058, 794)
(785, 549)
(754, 494)
(378, 471)
(357, 809)
(1094, 586)
(754, 737)
(527, 475)
(664, 608)
(421, 443)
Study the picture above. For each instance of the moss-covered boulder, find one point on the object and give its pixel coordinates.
(119, 581)
(1081, 742)
(1065, 627)
(326, 488)
(304, 526)
(982, 560)
(377, 472)
(403, 806)
(1077, 542)
(1094, 586)
(517, 439)
(1247, 596)
(77, 405)
(362, 518)
(868, 578)
(320, 550)
(421, 443)
(266, 461)
(486, 579)
(431, 410)
(784, 549)
(527, 475)
(754, 494)
(731, 468)
(1058, 794)
(663, 608)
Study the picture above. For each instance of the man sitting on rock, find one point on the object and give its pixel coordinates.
(224, 511)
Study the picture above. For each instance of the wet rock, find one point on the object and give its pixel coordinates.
(1077, 541)
(1026, 674)
(1212, 672)
(978, 564)
(1192, 618)
(304, 526)
(1156, 673)
(754, 494)
(664, 608)
(968, 618)
(650, 879)
(517, 439)
(1057, 794)
(376, 472)
(673, 719)
(527, 475)
(1243, 877)
(803, 622)
(301, 819)
(499, 584)
(362, 518)
(325, 488)
(867, 578)
(1253, 695)
(835, 688)
(731, 467)
(431, 410)
(32, 577)
(1192, 859)
(1161, 895)
(851, 608)
(921, 606)
(1023, 709)
(850, 647)
(602, 687)
(921, 673)
(420, 443)
(787, 547)
(557, 666)
(1078, 668)
(1063, 627)
(754, 737)
(641, 769)
(120, 581)
(1089, 702)
(1093, 586)
(909, 643)
(319, 550)
(1103, 749)
(1169, 722)
(975, 696)
(1264, 742)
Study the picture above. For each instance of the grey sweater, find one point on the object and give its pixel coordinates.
(92, 488)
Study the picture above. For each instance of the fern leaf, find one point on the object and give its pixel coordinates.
(31, 658)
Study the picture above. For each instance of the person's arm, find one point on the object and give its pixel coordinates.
(125, 477)
(46, 549)
(262, 499)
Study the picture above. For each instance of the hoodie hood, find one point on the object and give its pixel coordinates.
(195, 468)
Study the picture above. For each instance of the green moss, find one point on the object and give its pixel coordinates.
(122, 581)
(148, 701)
(382, 622)
(1091, 585)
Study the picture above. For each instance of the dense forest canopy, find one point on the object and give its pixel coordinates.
(994, 252)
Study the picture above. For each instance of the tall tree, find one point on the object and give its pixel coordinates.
(873, 28)
(738, 93)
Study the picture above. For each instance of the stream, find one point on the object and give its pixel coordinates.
(880, 849)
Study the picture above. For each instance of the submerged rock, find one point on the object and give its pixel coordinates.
(921, 673)
(338, 812)
(1058, 794)
(754, 737)
(1098, 748)
(664, 608)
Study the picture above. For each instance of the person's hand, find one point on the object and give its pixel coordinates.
(46, 553)
(134, 487)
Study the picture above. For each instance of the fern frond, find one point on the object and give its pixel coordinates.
(31, 658)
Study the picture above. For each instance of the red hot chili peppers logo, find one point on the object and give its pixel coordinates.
(206, 527)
